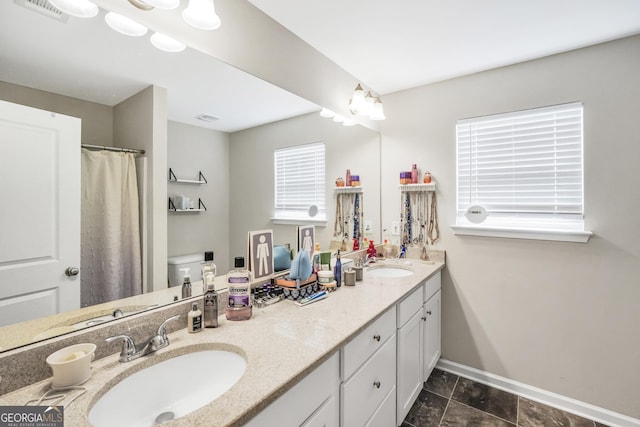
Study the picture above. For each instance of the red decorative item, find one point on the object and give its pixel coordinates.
(356, 244)
(371, 250)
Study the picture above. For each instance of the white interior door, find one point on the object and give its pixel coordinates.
(39, 212)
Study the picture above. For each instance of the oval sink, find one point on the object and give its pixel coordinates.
(388, 271)
(169, 389)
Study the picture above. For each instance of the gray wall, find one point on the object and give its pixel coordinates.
(97, 119)
(252, 182)
(192, 149)
(560, 316)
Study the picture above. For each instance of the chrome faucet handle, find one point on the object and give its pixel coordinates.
(128, 346)
(162, 329)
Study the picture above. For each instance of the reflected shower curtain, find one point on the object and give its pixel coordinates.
(110, 262)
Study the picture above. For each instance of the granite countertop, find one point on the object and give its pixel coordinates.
(282, 343)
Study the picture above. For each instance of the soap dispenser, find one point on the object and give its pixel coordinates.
(186, 283)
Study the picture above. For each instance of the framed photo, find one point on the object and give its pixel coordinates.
(260, 253)
(306, 239)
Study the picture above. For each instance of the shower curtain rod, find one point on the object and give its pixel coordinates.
(117, 149)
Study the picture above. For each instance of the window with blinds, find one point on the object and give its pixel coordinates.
(524, 167)
(300, 181)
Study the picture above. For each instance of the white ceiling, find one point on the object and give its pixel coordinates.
(85, 59)
(395, 45)
(388, 46)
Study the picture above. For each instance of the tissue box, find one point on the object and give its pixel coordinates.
(291, 292)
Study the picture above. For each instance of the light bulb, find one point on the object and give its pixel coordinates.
(377, 112)
(357, 102)
(78, 8)
(201, 14)
(327, 113)
(124, 25)
(166, 43)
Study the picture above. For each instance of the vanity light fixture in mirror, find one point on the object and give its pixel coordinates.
(166, 43)
(366, 104)
(201, 14)
(77, 8)
(124, 25)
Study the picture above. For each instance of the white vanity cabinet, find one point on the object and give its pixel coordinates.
(418, 323)
(367, 392)
(432, 347)
(313, 402)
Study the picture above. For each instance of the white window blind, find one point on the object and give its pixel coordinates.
(523, 167)
(300, 181)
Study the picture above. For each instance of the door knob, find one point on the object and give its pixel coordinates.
(72, 271)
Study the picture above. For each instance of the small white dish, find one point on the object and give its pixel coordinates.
(71, 366)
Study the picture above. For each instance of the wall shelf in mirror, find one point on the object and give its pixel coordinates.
(201, 207)
(405, 188)
(173, 178)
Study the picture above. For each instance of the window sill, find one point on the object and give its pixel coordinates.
(308, 221)
(574, 236)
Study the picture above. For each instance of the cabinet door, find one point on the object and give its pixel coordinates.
(432, 348)
(326, 415)
(316, 394)
(409, 368)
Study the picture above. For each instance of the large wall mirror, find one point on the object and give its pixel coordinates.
(83, 68)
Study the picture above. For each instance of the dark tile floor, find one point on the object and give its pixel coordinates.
(448, 400)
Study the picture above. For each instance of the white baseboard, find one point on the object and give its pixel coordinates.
(564, 403)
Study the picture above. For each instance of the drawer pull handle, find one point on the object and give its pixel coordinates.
(429, 312)
(376, 337)
(424, 318)
(376, 384)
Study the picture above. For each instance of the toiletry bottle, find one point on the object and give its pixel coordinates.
(347, 180)
(414, 174)
(194, 319)
(208, 266)
(337, 270)
(239, 283)
(186, 283)
(210, 302)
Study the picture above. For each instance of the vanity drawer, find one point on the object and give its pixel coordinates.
(432, 286)
(356, 352)
(366, 390)
(408, 306)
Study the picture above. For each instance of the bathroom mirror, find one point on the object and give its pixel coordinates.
(20, 51)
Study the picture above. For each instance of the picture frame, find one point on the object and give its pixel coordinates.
(260, 253)
(307, 239)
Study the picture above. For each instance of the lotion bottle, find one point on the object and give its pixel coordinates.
(186, 283)
(239, 283)
(210, 302)
(194, 319)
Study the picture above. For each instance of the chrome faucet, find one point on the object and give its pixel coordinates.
(131, 351)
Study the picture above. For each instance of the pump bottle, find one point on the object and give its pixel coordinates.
(186, 283)
(210, 302)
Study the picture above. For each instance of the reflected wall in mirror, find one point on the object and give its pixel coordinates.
(129, 94)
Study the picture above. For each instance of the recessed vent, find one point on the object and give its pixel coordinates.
(207, 118)
(45, 8)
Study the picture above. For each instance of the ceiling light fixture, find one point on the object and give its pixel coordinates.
(201, 14)
(166, 43)
(125, 25)
(78, 8)
(366, 104)
(163, 4)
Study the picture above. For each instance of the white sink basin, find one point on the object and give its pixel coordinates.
(388, 271)
(169, 389)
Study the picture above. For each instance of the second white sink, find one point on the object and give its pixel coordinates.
(388, 271)
(169, 389)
